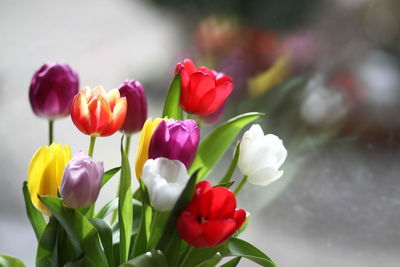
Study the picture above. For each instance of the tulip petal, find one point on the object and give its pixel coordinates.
(264, 176)
(100, 114)
(80, 113)
(112, 98)
(223, 203)
(117, 117)
(218, 231)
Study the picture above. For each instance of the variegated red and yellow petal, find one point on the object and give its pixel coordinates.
(117, 117)
(113, 96)
(100, 114)
(98, 91)
(80, 112)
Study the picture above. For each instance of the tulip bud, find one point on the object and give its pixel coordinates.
(45, 173)
(137, 106)
(211, 217)
(81, 181)
(175, 140)
(96, 113)
(203, 90)
(52, 89)
(261, 156)
(165, 180)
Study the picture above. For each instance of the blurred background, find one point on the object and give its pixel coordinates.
(326, 73)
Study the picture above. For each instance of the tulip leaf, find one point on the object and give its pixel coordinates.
(47, 243)
(227, 185)
(228, 176)
(170, 241)
(111, 206)
(81, 233)
(148, 259)
(172, 108)
(232, 263)
(35, 216)
(201, 256)
(109, 174)
(8, 261)
(240, 248)
(214, 146)
(125, 212)
(105, 233)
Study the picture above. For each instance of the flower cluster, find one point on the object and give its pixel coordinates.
(174, 204)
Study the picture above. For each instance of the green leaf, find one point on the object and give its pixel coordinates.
(125, 212)
(141, 240)
(105, 233)
(109, 174)
(228, 176)
(240, 248)
(8, 261)
(172, 108)
(201, 256)
(232, 263)
(47, 244)
(170, 227)
(227, 185)
(82, 234)
(111, 206)
(213, 147)
(149, 259)
(35, 216)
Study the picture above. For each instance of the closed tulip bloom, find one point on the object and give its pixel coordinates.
(142, 154)
(81, 181)
(261, 156)
(96, 113)
(175, 140)
(52, 89)
(203, 90)
(211, 217)
(45, 172)
(165, 180)
(137, 106)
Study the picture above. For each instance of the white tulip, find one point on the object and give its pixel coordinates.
(261, 156)
(165, 180)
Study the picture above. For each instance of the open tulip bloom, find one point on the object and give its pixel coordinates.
(175, 217)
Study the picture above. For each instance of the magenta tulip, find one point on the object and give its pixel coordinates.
(52, 89)
(175, 140)
(137, 106)
(81, 181)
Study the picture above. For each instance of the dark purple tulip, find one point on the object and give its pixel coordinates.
(175, 140)
(81, 181)
(52, 89)
(137, 106)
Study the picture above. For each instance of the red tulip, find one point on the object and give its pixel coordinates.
(203, 90)
(211, 217)
(96, 113)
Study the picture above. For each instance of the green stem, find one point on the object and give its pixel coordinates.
(227, 177)
(91, 146)
(51, 137)
(127, 144)
(239, 187)
(186, 256)
(153, 234)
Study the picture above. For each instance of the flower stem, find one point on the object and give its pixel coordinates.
(51, 138)
(228, 175)
(186, 255)
(239, 187)
(91, 146)
(127, 143)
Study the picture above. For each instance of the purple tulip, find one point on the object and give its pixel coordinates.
(137, 106)
(175, 140)
(52, 89)
(81, 181)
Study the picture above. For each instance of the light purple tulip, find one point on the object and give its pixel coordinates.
(52, 89)
(137, 106)
(175, 140)
(81, 181)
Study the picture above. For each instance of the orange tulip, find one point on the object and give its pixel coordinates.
(96, 113)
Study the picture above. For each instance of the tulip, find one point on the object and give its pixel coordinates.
(52, 89)
(45, 172)
(165, 180)
(81, 181)
(211, 217)
(96, 113)
(175, 140)
(261, 156)
(203, 90)
(142, 154)
(137, 106)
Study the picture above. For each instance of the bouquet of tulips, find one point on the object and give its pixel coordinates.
(175, 217)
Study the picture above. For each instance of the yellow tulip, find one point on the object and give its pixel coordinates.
(45, 172)
(271, 77)
(142, 154)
